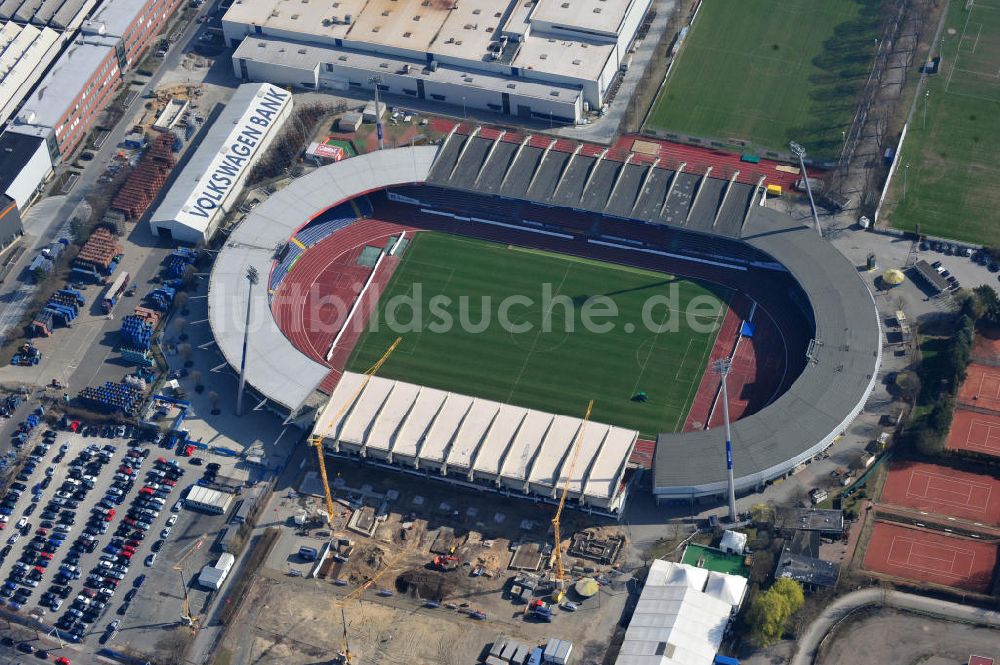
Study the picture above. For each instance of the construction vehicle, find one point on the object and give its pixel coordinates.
(317, 441)
(445, 562)
(559, 593)
(26, 355)
(539, 610)
(187, 618)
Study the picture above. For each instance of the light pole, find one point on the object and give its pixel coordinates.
(465, 113)
(906, 169)
(722, 367)
(800, 152)
(376, 81)
(927, 94)
(252, 279)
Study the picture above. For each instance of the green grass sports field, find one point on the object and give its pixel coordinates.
(553, 367)
(950, 185)
(770, 72)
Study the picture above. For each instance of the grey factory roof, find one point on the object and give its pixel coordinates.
(275, 367)
(277, 51)
(56, 13)
(62, 85)
(116, 16)
(806, 569)
(840, 375)
(24, 53)
(809, 519)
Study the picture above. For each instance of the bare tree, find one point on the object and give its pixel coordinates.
(184, 350)
(213, 399)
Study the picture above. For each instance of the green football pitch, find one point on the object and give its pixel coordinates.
(949, 188)
(524, 347)
(770, 72)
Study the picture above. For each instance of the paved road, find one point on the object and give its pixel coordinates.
(809, 641)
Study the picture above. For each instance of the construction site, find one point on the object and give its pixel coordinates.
(463, 577)
(448, 569)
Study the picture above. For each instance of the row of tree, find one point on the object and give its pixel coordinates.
(771, 610)
(942, 377)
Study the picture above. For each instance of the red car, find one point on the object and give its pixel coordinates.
(146, 490)
(47, 555)
(62, 660)
(170, 483)
(161, 460)
(41, 532)
(74, 426)
(126, 554)
(127, 470)
(39, 570)
(131, 544)
(130, 521)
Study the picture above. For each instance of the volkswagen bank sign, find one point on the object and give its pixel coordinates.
(237, 154)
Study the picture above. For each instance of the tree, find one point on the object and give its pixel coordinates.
(989, 304)
(196, 376)
(180, 300)
(213, 399)
(907, 385)
(184, 350)
(179, 324)
(767, 616)
(791, 591)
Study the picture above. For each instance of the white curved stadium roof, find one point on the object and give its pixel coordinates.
(275, 368)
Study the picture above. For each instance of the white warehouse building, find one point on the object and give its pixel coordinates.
(477, 442)
(546, 59)
(213, 178)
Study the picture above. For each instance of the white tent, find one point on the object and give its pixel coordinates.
(733, 542)
(681, 616)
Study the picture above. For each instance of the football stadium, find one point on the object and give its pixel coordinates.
(525, 276)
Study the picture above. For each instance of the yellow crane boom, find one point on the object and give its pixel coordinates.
(317, 441)
(560, 573)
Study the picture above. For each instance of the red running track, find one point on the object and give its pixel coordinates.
(312, 302)
(939, 489)
(758, 367)
(925, 556)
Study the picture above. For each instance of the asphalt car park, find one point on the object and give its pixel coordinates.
(75, 543)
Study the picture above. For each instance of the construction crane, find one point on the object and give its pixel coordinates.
(345, 650)
(317, 441)
(560, 573)
(186, 617)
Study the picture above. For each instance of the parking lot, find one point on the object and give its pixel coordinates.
(88, 520)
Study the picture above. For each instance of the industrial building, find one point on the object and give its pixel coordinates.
(83, 80)
(207, 499)
(213, 178)
(511, 449)
(10, 221)
(25, 165)
(550, 59)
(32, 34)
(682, 616)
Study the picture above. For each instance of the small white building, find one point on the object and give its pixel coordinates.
(210, 500)
(733, 542)
(213, 178)
(212, 577)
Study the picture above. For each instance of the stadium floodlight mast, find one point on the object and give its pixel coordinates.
(800, 152)
(376, 81)
(722, 367)
(252, 279)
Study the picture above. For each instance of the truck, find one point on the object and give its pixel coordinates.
(114, 292)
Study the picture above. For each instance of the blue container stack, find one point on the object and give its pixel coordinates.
(161, 298)
(137, 333)
(113, 397)
(59, 310)
(179, 260)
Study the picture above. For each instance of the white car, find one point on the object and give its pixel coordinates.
(21, 522)
(172, 521)
(176, 507)
(165, 533)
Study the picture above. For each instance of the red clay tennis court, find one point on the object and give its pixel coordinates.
(975, 432)
(925, 556)
(981, 387)
(939, 489)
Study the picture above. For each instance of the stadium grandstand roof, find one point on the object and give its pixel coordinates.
(520, 449)
(533, 170)
(275, 368)
(681, 616)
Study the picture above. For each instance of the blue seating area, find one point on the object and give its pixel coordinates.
(318, 231)
(284, 265)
